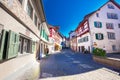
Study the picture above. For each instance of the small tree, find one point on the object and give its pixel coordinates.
(99, 52)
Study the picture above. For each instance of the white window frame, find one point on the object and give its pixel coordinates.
(111, 35)
(29, 9)
(112, 16)
(109, 26)
(114, 48)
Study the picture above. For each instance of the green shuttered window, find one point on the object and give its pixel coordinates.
(13, 45)
(98, 24)
(9, 45)
(99, 36)
(2, 43)
(44, 35)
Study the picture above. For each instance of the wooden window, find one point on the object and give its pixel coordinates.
(33, 47)
(39, 26)
(35, 19)
(114, 47)
(97, 14)
(43, 33)
(99, 36)
(29, 10)
(25, 45)
(112, 16)
(110, 6)
(111, 35)
(98, 24)
(109, 26)
(82, 28)
(84, 39)
(41, 30)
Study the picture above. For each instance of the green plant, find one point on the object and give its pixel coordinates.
(99, 52)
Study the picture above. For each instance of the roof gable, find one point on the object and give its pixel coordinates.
(115, 3)
(90, 14)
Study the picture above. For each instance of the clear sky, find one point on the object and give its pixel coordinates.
(68, 13)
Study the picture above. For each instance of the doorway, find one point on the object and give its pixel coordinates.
(79, 48)
(82, 48)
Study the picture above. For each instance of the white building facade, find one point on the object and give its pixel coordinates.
(20, 24)
(44, 39)
(73, 40)
(103, 29)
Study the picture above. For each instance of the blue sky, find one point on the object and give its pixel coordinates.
(68, 13)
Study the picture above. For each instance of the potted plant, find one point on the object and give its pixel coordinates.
(99, 52)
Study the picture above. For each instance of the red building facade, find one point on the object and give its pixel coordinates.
(56, 37)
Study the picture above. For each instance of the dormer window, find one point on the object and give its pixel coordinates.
(110, 6)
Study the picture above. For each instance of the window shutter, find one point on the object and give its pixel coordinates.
(33, 47)
(100, 25)
(102, 36)
(2, 43)
(95, 24)
(16, 45)
(13, 44)
(96, 36)
(43, 33)
(45, 36)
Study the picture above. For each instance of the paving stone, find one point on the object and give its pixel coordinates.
(75, 67)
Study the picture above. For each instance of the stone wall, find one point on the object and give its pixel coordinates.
(108, 61)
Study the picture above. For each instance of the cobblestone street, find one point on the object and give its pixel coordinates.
(67, 65)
